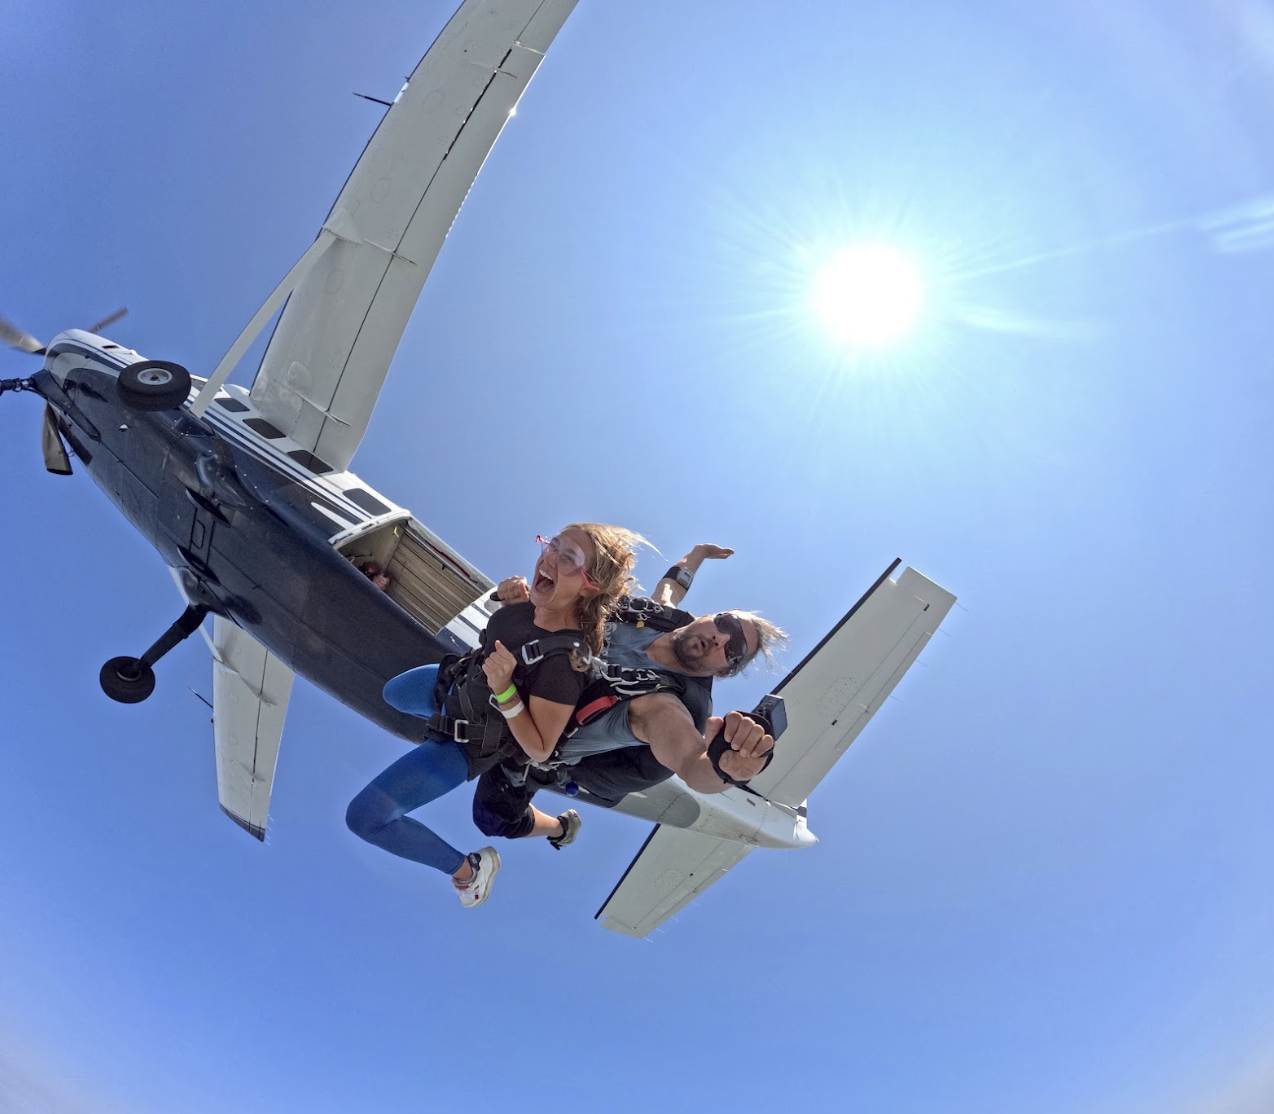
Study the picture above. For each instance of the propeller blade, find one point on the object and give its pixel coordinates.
(56, 458)
(16, 338)
(110, 320)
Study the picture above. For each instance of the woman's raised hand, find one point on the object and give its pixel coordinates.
(498, 665)
(512, 589)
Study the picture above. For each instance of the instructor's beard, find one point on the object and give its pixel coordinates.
(693, 663)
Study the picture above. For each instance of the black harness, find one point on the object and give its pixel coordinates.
(614, 684)
(618, 684)
(466, 705)
(467, 713)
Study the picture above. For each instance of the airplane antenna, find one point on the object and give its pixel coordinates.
(387, 104)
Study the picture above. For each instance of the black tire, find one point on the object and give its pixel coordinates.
(154, 385)
(127, 680)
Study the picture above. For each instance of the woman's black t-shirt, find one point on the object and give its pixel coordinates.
(550, 678)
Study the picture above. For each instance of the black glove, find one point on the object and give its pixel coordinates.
(718, 746)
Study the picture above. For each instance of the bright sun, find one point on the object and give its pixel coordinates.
(868, 295)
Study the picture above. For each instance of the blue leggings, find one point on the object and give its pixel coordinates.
(413, 691)
(379, 813)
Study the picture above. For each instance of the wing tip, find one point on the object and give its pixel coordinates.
(621, 929)
(645, 844)
(256, 830)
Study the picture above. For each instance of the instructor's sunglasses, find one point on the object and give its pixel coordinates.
(567, 556)
(736, 648)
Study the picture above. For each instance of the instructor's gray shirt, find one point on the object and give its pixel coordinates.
(626, 647)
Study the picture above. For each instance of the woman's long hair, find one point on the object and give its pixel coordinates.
(614, 555)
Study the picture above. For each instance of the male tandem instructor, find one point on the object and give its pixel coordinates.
(644, 739)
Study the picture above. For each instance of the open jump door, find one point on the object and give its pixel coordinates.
(426, 577)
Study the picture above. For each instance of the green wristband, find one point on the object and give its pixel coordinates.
(508, 694)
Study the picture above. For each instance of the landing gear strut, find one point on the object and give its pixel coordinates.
(131, 680)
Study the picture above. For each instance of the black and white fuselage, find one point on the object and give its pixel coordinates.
(259, 531)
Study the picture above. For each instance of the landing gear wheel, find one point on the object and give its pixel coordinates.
(154, 385)
(127, 680)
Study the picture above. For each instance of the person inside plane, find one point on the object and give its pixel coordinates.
(626, 739)
(376, 575)
(513, 696)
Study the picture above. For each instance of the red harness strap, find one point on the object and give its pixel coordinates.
(594, 708)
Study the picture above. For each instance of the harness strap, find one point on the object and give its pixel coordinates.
(539, 648)
(642, 611)
(585, 713)
(463, 698)
(458, 729)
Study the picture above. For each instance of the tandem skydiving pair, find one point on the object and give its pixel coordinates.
(576, 683)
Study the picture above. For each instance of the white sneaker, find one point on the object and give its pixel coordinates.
(486, 865)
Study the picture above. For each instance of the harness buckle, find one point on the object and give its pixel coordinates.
(535, 650)
(460, 730)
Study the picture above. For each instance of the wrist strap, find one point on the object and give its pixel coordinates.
(508, 694)
(681, 575)
(718, 746)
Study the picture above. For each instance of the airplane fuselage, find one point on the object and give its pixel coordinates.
(246, 537)
(251, 532)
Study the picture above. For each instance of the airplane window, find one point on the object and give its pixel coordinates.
(366, 500)
(231, 404)
(308, 460)
(263, 427)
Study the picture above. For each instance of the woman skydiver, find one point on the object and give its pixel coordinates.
(578, 578)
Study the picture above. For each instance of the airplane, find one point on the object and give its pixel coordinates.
(289, 564)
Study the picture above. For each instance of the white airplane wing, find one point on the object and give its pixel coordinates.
(829, 698)
(250, 692)
(673, 867)
(326, 363)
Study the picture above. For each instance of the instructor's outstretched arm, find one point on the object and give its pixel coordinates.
(663, 722)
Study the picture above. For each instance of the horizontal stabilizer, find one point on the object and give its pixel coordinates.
(832, 694)
(673, 867)
(828, 700)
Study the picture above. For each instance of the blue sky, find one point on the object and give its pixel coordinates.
(1043, 882)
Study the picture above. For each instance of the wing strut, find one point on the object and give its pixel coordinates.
(303, 266)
